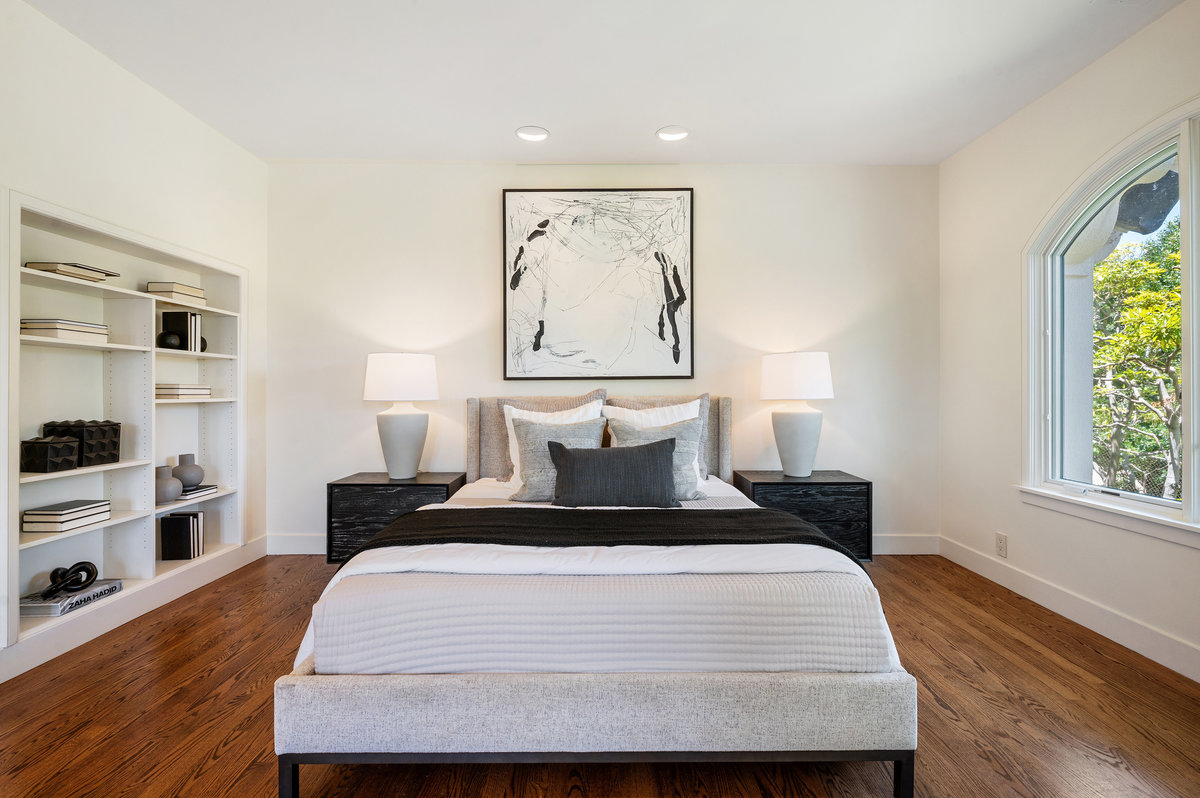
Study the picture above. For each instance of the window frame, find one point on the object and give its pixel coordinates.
(1162, 518)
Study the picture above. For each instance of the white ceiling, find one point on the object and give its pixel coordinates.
(769, 81)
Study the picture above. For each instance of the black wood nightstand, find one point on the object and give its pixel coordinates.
(361, 504)
(836, 502)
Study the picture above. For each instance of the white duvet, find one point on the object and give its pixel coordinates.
(370, 605)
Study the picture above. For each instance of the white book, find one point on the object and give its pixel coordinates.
(72, 335)
(91, 325)
(171, 287)
(175, 296)
(65, 526)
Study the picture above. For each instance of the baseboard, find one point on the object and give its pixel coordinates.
(90, 622)
(1149, 641)
(906, 544)
(296, 544)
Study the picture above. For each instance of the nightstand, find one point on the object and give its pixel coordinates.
(360, 505)
(834, 501)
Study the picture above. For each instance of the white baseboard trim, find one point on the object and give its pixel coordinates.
(1149, 641)
(90, 622)
(906, 544)
(296, 544)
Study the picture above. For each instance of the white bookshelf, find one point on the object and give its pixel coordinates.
(46, 379)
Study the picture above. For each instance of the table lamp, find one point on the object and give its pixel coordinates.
(401, 378)
(796, 377)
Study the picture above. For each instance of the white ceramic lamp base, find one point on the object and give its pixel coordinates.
(797, 433)
(402, 430)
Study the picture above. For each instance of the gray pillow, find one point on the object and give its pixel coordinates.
(687, 443)
(646, 402)
(537, 469)
(629, 476)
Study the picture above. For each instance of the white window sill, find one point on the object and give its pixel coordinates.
(1115, 512)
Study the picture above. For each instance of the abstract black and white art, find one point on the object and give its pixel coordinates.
(598, 283)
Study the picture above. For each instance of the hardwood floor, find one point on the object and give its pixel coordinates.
(1014, 701)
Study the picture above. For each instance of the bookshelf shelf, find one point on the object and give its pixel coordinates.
(33, 476)
(202, 401)
(163, 509)
(41, 340)
(207, 310)
(74, 285)
(194, 355)
(172, 566)
(48, 379)
(32, 626)
(31, 539)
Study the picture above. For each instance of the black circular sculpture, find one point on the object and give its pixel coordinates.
(169, 340)
(72, 579)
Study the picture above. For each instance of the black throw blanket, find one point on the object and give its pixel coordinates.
(543, 526)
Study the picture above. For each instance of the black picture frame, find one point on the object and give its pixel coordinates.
(598, 283)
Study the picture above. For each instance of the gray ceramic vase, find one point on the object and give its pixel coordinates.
(188, 472)
(166, 487)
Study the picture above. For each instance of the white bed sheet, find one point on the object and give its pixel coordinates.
(519, 561)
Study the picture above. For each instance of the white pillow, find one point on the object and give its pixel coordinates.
(585, 412)
(659, 417)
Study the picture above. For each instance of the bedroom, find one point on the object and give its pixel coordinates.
(922, 314)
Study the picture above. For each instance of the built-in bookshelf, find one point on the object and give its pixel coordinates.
(53, 379)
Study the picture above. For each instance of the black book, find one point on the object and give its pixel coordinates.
(65, 511)
(196, 519)
(176, 532)
(180, 323)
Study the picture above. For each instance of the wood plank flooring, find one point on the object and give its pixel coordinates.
(1014, 701)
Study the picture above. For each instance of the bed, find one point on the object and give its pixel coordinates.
(522, 678)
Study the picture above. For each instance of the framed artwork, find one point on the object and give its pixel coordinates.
(598, 284)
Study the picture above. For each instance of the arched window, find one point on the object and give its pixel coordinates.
(1119, 376)
(1112, 385)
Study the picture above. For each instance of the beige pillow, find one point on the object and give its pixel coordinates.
(494, 458)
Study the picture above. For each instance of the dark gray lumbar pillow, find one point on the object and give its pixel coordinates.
(631, 476)
(537, 470)
(687, 444)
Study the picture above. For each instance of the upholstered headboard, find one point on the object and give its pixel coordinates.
(487, 438)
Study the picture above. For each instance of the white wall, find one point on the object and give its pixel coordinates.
(994, 194)
(407, 257)
(79, 131)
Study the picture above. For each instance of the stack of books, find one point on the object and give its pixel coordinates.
(66, 516)
(181, 390)
(177, 292)
(93, 274)
(182, 535)
(186, 325)
(196, 492)
(66, 330)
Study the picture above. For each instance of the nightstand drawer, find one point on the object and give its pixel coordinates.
(832, 504)
(837, 503)
(361, 505)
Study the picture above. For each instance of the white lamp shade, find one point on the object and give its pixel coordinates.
(796, 375)
(400, 377)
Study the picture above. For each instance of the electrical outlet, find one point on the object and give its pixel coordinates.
(1001, 544)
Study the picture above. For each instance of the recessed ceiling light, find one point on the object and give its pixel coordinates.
(532, 133)
(672, 133)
